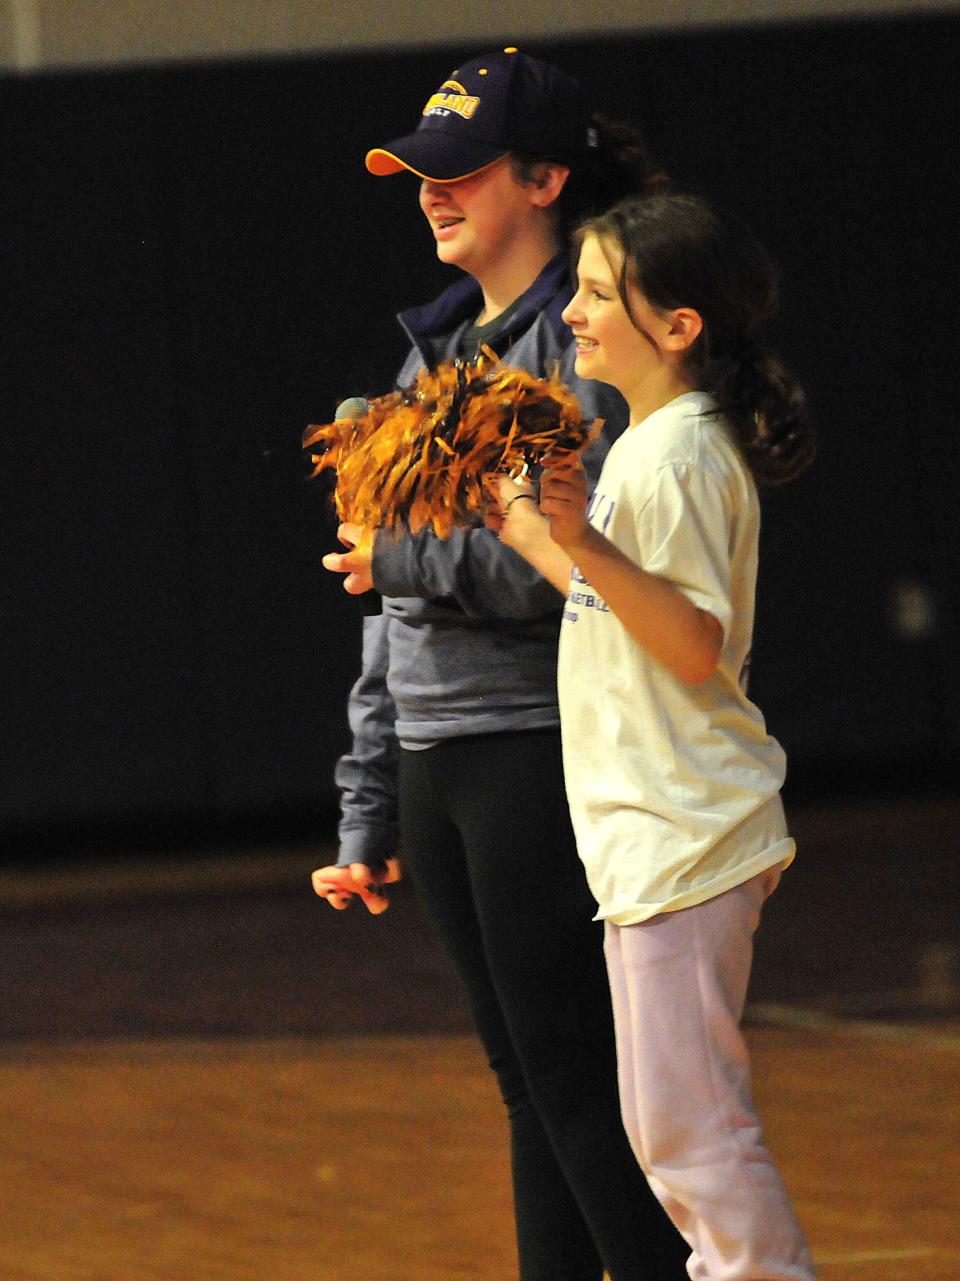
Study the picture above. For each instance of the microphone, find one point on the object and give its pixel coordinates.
(352, 408)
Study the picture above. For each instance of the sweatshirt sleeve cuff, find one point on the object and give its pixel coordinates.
(390, 566)
(372, 846)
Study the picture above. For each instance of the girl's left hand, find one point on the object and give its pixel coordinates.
(340, 885)
(563, 500)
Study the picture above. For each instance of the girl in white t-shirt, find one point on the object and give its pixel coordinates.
(673, 781)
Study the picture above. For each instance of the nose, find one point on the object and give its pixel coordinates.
(572, 314)
(431, 195)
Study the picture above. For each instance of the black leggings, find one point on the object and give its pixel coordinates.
(489, 848)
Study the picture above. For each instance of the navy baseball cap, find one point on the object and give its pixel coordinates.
(498, 103)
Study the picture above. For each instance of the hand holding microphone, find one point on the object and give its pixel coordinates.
(357, 563)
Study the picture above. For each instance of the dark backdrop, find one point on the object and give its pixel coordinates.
(198, 266)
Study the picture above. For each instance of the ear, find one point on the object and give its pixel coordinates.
(546, 184)
(684, 327)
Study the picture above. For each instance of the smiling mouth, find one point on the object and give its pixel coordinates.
(586, 344)
(444, 223)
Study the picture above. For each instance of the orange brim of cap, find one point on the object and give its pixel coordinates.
(381, 163)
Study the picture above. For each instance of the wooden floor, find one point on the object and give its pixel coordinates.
(382, 1158)
(206, 1075)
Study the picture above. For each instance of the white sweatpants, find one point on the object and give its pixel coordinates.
(679, 983)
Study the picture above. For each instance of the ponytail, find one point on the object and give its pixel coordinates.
(765, 406)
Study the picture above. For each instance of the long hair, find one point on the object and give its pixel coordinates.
(679, 251)
(616, 165)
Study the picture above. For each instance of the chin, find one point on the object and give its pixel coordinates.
(451, 254)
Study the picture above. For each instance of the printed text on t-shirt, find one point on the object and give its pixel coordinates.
(599, 514)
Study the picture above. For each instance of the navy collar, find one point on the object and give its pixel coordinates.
(462, 301)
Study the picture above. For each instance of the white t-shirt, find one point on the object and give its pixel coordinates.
(674, 791)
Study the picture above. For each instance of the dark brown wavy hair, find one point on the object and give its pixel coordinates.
(679, 251)
(616, 166)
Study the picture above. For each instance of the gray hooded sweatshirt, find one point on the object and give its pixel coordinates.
(466, 642)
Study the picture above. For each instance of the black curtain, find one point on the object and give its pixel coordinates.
(198, 266)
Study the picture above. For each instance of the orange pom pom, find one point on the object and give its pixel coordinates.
(424, 456)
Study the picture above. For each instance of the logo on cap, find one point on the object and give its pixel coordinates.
(458, 101)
